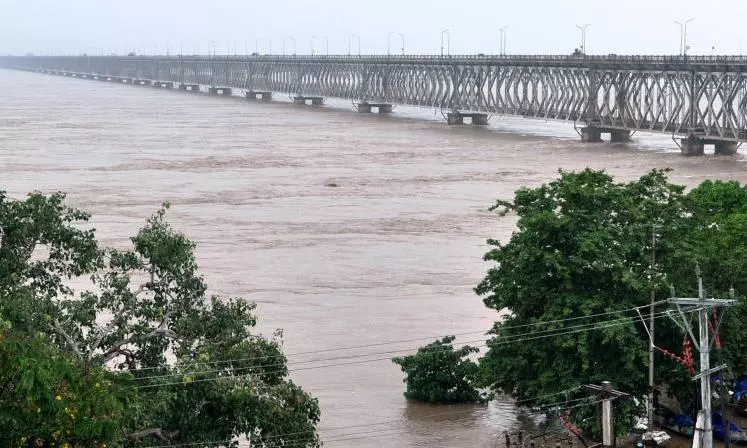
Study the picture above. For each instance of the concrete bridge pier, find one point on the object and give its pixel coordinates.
(457, 118)
(315, 100)
(725, 148)
(591, 134)
(189, 87)
(692, 146)
(695, 146)
(257, 95)
(619, 136)
(454, 118)
(220, 91)
(383, 108)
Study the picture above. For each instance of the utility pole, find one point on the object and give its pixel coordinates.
(704, 422)
(651, 345)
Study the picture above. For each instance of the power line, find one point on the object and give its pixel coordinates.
(403, 341)
(391, 352)
(598, 326)
(505, 340)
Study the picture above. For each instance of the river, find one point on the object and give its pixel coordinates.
(346, 229)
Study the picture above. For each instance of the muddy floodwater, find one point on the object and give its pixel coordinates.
(346, 229)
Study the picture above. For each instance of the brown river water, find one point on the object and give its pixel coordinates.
(346, 229)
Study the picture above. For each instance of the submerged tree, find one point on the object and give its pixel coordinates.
(438, 373)
(198, 371)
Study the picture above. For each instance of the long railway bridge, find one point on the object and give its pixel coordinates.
(699, 100)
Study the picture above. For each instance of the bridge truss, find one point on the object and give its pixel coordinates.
(702, 95)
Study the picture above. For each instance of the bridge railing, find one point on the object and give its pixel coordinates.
(611, 58)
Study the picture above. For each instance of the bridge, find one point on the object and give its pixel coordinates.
(699, 100)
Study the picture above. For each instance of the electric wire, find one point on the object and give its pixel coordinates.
(391, 352)
(403, 341)
(597, 326)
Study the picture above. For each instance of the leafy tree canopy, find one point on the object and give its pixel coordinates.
(438, 373)
(582, 250)
(197, 372)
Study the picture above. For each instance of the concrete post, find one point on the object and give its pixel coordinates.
(608, 422)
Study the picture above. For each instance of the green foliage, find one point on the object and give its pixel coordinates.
(439, 374)
(583, 247)
(197, 371)
(46, 395)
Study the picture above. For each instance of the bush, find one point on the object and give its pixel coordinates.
(439, 374)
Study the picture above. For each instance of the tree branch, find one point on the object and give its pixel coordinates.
(161, 329)
(166, 436)
(73, 345)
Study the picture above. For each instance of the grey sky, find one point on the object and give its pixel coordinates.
(535, 26)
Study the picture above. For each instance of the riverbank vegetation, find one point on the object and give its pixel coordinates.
(579, 266)
(140, 355)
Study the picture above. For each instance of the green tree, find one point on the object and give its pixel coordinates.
(200, 373)
(46, 397)
(438, 373)
(582, 251)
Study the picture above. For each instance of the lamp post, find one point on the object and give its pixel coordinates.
(683, 36)
(389, 42)
(294, 44)
(583, 36)
(358, 38)
(312, 44)
(503, 40)
(448, 42)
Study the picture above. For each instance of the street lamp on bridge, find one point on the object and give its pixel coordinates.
(389, 42)
(503, 39)
(448, 42)
(312, 44)
(683, 36)
(583, 36)
(358, 38)
(294, 44)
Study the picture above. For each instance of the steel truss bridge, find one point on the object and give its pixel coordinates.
(696, 97)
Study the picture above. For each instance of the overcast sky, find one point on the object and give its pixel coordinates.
(535, 26)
